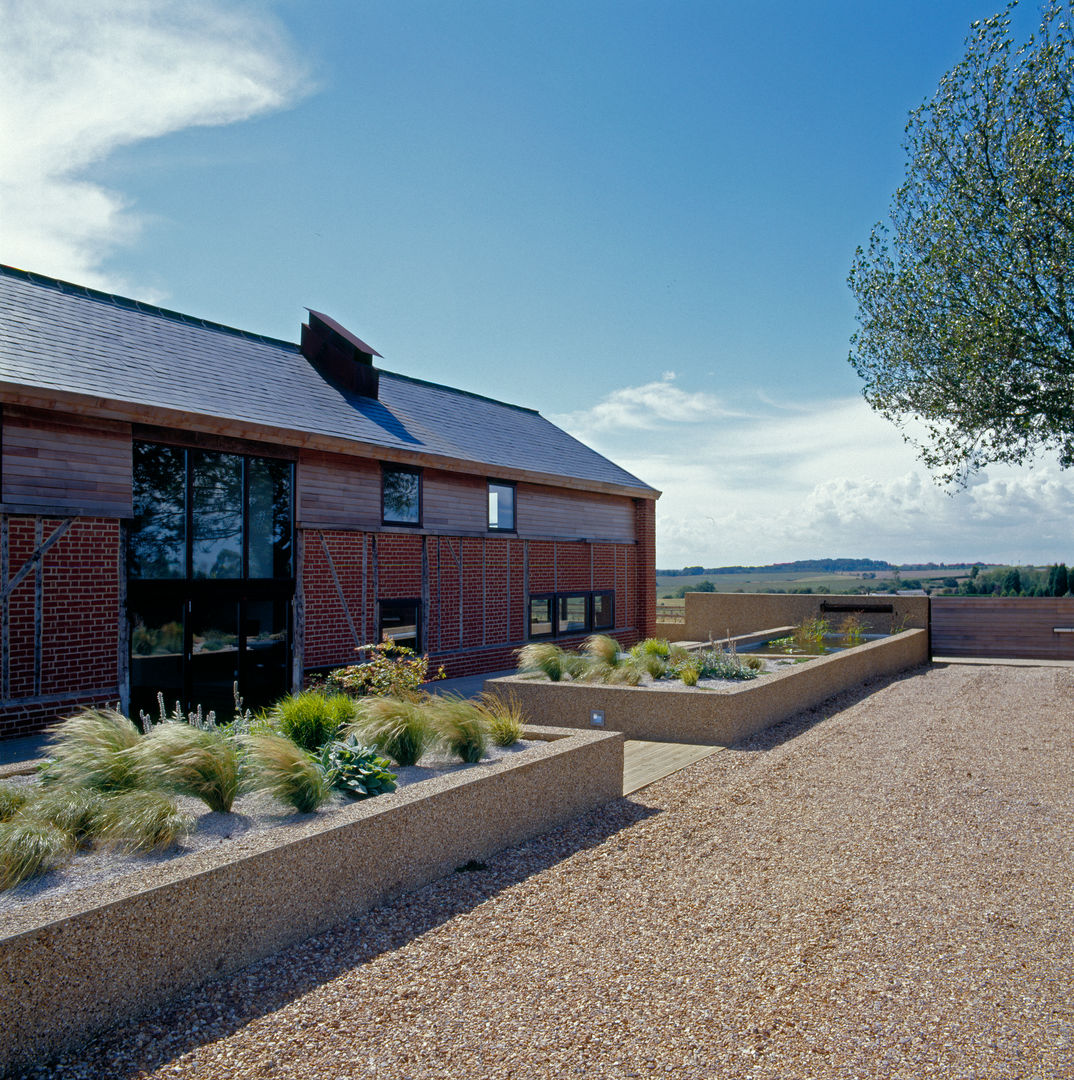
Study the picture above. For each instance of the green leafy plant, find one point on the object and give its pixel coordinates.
(504, 716)
(203, 763)
(723, 664)
(280, 767)
(403, 730)
(461, 725)
(312, 717)
(97, 749)
(12, 800)
(810, 635)
(755, 663)
(356, 770)
(544, 657)
(390, 670)
(29, 847)
(142, 820)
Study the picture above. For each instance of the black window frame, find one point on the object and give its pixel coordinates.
(187, 593)
(400, 601)
(610, 594)
(489, 485)
(411, 470)
(554, 599)
(550, 600)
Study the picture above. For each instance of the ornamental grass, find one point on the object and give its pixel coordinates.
(280, 767)
(201, 762)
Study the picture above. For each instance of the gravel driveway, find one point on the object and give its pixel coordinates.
(881, 888)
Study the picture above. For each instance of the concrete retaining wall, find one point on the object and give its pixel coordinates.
(719, 615)
(722, 716)
(104, 954)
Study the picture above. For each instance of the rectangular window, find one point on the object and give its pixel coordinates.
(572, 613)
(501, 506)
(158, 532)
(216, 490)
(604, 610)
(400, 621)
(400, 496)
(541, 616)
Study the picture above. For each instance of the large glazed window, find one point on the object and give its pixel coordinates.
(210, 577)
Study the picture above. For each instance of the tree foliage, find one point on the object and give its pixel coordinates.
(964, 303)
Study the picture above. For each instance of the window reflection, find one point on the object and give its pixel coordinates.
(401, 491)
(217, 515)
(158, 534)
(269, 521)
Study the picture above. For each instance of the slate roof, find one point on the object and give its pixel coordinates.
(58, 336)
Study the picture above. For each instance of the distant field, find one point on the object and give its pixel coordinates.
(783, 580)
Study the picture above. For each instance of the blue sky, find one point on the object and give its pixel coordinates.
(635, 217)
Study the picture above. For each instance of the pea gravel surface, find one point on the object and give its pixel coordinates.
(880, 888)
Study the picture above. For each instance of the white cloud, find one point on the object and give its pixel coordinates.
(651, 407)
(82, 79)
(818, 479)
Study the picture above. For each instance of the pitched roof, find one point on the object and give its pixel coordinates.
(55, 336)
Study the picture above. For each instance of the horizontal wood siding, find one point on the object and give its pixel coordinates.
(1003, 627)
(81, 468)
(337, 492)
(454, 503)
(340, 492)
(548, 511)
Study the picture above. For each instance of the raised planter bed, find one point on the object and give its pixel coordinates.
(719, 716)
(101, 955)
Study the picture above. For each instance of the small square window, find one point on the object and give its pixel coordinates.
(400, 622)
(501, 506)
(401, 496)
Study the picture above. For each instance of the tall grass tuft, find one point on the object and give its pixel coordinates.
(29, 847)
(312, 717)
(200, 762)
(280, 767)
(462, 725)
(504, 715)
(143, 820)
(97, 749)
(652, 647)
(77, 811)
(403, 730)
(545, 657)
(603, 649)
(12, 799)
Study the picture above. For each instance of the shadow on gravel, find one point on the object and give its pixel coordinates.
(801, 722)
(219, 1008)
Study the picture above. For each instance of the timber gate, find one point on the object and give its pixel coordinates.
(1030, 627)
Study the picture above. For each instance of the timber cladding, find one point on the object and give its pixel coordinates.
(1003, 627)
(78, 467)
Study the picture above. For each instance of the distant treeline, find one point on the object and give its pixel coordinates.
(831, 566)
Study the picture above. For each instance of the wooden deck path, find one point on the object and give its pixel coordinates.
(644, 762)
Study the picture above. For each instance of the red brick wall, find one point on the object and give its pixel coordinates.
(490, 573)
(645, 554)
(79, 646)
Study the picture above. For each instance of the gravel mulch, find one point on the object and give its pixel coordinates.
(884, 888)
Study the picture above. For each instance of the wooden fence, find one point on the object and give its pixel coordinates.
(1032, 627)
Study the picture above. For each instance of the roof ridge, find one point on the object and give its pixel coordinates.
(456, 390)
(97, 295)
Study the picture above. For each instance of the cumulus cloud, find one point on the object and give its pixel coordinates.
(821, 478)
(82, 79)
(649, 407)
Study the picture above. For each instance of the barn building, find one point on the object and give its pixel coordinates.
(186, 506)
